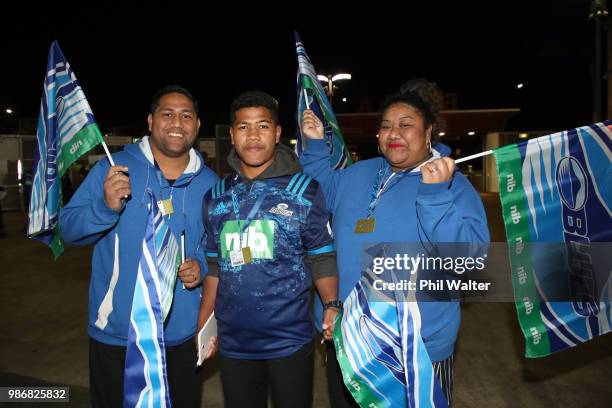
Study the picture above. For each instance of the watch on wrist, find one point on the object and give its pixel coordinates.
(333, 303)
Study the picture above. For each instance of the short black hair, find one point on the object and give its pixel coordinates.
(168, 89)
(254, 99)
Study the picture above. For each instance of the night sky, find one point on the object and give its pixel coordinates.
(479, 51)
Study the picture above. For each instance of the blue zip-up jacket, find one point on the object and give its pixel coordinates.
(117, 237)
(410, 211)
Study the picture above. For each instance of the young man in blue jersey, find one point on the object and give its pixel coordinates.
(99, 213)
(267, 242)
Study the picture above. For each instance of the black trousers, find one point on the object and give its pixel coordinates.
(245, 382)
(340, 396)
(106, 374)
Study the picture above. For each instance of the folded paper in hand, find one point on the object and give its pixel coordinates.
(206, 332)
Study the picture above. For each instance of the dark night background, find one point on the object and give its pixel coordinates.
(479, 51)
(122, 53)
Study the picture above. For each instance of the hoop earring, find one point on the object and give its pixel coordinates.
(379, 152)
(429, 146)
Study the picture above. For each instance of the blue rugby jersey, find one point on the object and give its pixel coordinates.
(262, 308)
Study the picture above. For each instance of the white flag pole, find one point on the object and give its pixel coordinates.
(110, 159)
(464, 159)
(474, 156)
(108, 155)
(307, 107)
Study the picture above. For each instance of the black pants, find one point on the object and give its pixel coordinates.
(340, 396)
(106, 374)
(245, 382)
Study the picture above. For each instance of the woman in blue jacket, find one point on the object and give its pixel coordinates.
(411, 194)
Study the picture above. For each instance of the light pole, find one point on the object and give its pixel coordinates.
(330, 79)
(599, 13)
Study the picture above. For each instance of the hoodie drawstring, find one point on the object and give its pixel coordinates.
(145, 189)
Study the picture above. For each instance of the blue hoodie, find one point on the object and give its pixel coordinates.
(118, 240)
(410, 211)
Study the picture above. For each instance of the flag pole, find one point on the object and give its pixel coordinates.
(306, 99)
(112, 163)
(464, 159)
(108, 155)
(474, 156)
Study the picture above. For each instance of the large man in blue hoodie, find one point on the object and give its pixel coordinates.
(110, 211)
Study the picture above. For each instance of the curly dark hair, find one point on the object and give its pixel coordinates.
(254, 99)
(425, 97)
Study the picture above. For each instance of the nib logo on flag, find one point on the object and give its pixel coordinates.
(557, 189)
(66, 130)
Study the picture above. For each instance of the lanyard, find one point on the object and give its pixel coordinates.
(381, 185)
(253, 210)
(165, 202)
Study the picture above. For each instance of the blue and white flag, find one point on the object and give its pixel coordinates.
(146, 383)
(307, 80)
(66, 131)
(558, 189)
(379, 347)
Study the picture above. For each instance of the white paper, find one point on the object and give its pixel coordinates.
(208, 330)
(183, 251)
(183, 256)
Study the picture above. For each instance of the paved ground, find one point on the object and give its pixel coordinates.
(43, 340)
